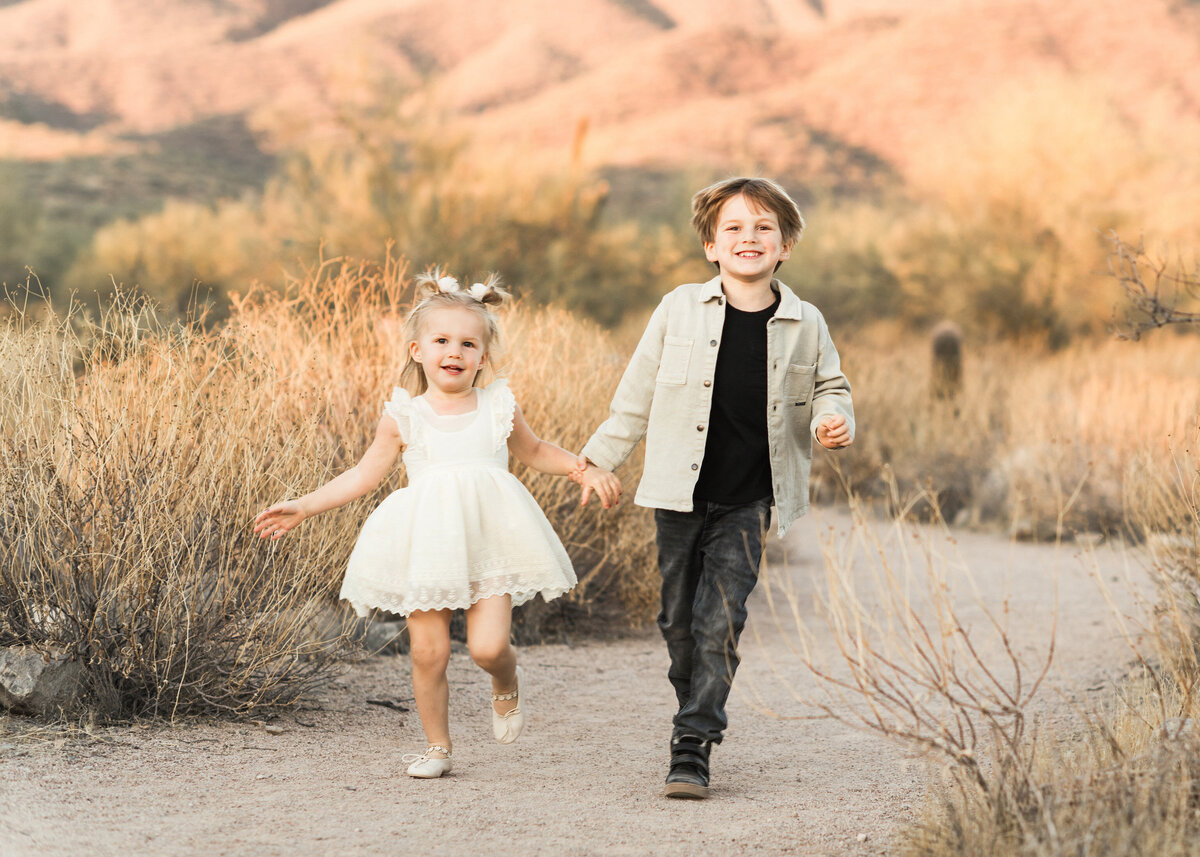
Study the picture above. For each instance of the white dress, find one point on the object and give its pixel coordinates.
(464, 528)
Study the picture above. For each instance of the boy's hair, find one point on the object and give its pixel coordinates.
(435, 291)
(761, 193)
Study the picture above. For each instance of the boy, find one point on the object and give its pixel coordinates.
(730, 382)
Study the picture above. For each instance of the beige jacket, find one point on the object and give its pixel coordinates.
(666, 395)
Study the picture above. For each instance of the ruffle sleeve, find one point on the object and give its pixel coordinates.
(400, 408)
(504, 407)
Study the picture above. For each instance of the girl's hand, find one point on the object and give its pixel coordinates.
(604, 483)
(278, 519)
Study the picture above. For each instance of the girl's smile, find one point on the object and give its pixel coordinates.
(451, 350)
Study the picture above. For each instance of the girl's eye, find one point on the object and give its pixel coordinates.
(441, 340)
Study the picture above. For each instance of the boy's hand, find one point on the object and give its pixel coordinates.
(274, 522)
(833, 432)
(603, 482)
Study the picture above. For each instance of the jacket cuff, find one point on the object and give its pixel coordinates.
(597, 452)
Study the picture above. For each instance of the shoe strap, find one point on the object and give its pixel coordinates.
(409, 758)
(502, 697)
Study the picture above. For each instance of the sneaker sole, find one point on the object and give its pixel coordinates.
(685, 790)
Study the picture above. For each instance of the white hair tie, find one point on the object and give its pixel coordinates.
(478, 291)
(447, 284)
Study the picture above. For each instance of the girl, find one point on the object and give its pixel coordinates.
(465, 533)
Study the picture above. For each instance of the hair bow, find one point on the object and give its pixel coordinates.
(449, 284)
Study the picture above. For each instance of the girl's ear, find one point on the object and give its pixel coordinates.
(414, 351)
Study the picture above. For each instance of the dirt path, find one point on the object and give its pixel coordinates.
(584, 779)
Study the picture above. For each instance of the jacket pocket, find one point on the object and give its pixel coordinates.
(673, 366)
(798, 383)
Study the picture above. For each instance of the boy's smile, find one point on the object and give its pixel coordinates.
(748, 243)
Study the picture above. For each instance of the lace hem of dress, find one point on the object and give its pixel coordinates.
(503, 411)
(364, 597)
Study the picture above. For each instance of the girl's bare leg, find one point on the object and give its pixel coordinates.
(429, 646)
(489, 626)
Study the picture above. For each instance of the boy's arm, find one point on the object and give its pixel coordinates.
(629, 412)
(833, 409)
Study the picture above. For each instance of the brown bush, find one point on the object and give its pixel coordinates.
(135, 454)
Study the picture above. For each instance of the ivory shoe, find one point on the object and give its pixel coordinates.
(508, 727)
(427, 766)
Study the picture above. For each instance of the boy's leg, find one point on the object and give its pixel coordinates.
(678, 537)
(731, 550)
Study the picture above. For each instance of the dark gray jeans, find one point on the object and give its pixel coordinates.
(709, 560)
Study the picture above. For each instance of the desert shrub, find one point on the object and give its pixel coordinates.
(920, 658)
(414, 185)
(136, 453)
(1048, 442)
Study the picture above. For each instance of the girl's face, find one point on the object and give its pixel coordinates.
(450, 348)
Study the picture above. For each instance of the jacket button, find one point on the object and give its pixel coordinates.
(708, 383)
(712, 342)
(695, 467)
(700, 427)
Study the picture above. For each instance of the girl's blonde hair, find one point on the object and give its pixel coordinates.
(435, 291)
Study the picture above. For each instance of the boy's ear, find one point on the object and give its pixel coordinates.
(710, 251)
(786, 252)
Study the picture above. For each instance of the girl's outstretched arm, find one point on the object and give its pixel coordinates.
(542, 455)
(363, 477)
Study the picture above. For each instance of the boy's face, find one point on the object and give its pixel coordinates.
(747, 243)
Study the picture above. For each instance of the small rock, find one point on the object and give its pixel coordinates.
(386, 638)
(1023, 530)
(862, 837)
(33, 682)
(274, 730)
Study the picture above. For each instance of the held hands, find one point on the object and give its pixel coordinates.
(833, 432)
(596, 479)
(275, 521)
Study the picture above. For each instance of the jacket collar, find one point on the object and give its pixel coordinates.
(789, 304)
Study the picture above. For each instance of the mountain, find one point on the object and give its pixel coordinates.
(662, 83)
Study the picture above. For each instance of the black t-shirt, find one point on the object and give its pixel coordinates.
(737, 460)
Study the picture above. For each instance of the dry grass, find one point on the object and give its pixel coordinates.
(136, 453)
(1049, 443)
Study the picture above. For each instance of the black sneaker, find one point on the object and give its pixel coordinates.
(688, 775)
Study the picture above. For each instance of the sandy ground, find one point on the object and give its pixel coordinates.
(586, 776)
